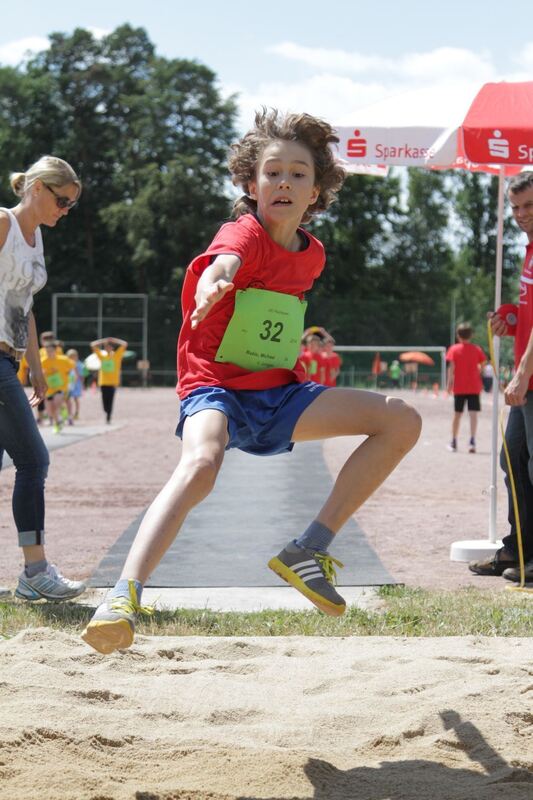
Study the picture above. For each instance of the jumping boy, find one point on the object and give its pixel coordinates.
(239, 379)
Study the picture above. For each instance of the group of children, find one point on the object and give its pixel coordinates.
(64, 374)
(318, 357)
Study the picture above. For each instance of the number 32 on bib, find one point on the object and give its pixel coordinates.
(264, 332)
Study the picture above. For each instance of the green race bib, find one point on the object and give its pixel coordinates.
(107, 365)
(54, 381)
(264, 331)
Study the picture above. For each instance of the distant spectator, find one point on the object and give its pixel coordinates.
(110, 351)
(465, 360)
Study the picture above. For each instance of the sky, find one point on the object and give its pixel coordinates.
(350, 62)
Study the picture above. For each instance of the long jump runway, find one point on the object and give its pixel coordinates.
(257, 506)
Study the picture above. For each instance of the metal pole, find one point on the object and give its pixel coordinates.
(145, 338)
(495, 393)
(100, 313)
(452, 319)
(54, 313)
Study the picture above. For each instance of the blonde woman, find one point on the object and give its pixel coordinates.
(47, 191)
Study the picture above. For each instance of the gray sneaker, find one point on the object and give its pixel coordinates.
(112, 626)
(48, 585)
(313, 574)
(513, 573)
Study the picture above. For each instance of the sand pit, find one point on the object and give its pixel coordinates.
(328, 719)
(256, 718)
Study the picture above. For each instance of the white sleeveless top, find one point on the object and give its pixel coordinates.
(22, 274)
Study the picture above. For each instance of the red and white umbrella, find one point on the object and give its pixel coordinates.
(496, 135)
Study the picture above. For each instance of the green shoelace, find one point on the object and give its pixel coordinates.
(326, 562)
(129, 605)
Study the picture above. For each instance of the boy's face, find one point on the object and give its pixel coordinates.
(285, 183)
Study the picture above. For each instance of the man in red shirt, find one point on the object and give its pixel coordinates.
(518, 395)
(465, 360)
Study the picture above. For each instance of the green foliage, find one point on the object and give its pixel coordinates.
(148, 137)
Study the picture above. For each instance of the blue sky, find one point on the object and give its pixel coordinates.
(396, 62)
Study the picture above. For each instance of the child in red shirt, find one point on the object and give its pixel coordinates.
(464, 380)
(239, 378)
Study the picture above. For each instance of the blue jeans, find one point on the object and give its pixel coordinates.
(519, 439)
(20, 438)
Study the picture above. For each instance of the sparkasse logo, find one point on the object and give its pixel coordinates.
(356, 148)
(498, 147)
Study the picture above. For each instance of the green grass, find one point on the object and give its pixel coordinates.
(402, 612)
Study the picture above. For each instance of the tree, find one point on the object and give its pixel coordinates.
(148, 137)
(475, 204)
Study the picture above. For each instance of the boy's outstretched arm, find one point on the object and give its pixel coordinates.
(215, 281)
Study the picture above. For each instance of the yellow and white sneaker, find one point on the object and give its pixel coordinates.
(113, 624)
(313, 574)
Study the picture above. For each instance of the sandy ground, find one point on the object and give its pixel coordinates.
(367, 718)
(278, 718)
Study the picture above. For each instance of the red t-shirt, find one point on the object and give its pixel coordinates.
(333, 363)
(264, 265)
(525, 309)
(466, 358)
(310, 364)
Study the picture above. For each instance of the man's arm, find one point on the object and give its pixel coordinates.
(516, 390)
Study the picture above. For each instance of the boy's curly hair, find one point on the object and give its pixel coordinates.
(271, 126)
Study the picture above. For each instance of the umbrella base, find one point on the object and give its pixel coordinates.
(473, 549)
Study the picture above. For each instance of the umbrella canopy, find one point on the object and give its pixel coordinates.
(417, 357)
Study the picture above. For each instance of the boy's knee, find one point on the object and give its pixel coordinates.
(405, 418)
(203, 471)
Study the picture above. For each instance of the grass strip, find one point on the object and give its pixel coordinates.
(401, 611)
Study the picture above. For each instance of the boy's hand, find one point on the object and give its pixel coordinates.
(206, 297)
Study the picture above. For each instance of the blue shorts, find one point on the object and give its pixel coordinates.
(259, 422)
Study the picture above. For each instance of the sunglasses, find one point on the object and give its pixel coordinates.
(61, 201)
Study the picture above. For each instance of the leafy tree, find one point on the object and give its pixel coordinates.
(356, 233)
(148, 137)
(475, 203)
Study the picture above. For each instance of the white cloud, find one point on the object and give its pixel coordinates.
(435, 64)
(323, 95)
(432, 88)
(98, 33)
(525, 58)
(444, 63)
(330, 60)
(14, 53)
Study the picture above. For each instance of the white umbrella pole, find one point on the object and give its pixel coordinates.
(473, 549)
(496, 379)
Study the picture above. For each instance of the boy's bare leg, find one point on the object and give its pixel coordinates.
(455, 423)
(473, 423)
(204, 438)
(392, 428)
